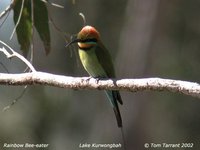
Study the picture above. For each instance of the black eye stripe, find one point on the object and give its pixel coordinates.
(89, 40)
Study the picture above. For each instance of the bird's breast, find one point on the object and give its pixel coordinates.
(91, 64)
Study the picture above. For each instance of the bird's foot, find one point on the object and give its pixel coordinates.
(88, 79)
(98, 78)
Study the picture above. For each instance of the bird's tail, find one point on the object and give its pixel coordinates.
(113, 97)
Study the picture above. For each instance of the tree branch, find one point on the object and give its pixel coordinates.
(10, 6)
(15, 54)
(133, 85)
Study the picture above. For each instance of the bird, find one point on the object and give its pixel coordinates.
(97, 61)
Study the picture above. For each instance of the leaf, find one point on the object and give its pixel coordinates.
(41, 22)
(24, 28)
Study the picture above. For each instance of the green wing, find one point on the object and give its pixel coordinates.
(105, 60)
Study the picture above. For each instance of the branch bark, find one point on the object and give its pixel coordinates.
(133, 85)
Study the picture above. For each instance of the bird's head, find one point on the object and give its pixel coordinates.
(86, 38)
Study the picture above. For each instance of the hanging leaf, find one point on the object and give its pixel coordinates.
(41, 22)
(24, 28)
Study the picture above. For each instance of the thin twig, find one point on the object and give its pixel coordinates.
(10, 6)
(15, 54)
(31, 60)
(16, 99)
(4, 19)
(18, 20)
(61, 32)
(83, 17)
(56, 27)
(32, 31)
(4, 67)
(53, 4)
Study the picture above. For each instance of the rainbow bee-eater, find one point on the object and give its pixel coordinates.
(97, 62)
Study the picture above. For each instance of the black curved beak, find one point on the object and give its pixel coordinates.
(73, 40)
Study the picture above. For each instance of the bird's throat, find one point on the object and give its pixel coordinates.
(85, 45)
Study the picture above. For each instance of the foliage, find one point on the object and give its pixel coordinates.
(24, 29)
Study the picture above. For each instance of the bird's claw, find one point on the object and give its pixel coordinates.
(90, 77)
(96, 79)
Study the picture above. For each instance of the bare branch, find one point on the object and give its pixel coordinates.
(4, 20)
(16, 99)
(10, 6)
(18, 20)
(15, 54)
(133, 85)
(33, 31)
(53, 4)
(61, 32)
(83, 17)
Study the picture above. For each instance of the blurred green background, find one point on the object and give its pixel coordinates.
(147, 38)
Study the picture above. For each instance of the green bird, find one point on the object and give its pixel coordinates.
(97, 62)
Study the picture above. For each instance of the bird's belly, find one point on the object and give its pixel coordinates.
(91, 63)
